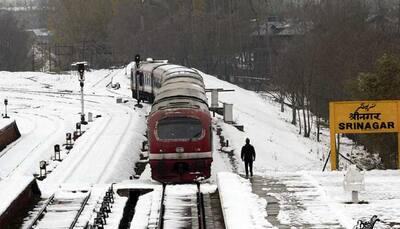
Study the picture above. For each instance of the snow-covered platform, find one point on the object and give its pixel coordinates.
(5, 122)
(8, 132)
(16, 193)
(318, 200)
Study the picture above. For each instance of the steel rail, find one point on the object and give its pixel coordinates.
(162, 208)
(80, 211)
(200, 208)
(40, 213)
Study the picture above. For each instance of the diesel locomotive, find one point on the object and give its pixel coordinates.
(179, 123)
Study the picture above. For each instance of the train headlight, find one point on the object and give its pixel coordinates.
(179, 149)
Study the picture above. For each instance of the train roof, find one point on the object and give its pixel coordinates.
(181, 88)
(179, 102)
(182, 74)
(165, 68)
(182, 84)
(170, 68)
(150, 66)
(177, 83)
(183, 79)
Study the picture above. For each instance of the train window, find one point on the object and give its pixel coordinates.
(173, 128)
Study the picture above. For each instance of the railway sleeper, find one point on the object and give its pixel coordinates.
(105, 207)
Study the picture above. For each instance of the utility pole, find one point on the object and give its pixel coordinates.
(138, 79)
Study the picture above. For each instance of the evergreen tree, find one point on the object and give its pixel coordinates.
(383, 83)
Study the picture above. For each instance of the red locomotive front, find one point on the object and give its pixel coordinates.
(180, 144)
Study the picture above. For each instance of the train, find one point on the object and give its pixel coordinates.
(179, 128)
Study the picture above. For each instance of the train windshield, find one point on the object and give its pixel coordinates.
(179, 128)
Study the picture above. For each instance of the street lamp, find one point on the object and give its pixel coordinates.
(5, 107)
(81, 70)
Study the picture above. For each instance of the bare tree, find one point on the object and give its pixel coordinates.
(14, 44)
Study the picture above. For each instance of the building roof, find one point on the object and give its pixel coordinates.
(40, 32)
(282, 28)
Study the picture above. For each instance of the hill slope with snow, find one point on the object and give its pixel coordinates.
(279, 146)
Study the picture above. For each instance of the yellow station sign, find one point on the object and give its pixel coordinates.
(362, 117)
(365, 116)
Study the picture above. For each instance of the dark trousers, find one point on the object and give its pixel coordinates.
(248, 164)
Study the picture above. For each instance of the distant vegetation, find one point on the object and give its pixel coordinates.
(14, 44)
(309, 52)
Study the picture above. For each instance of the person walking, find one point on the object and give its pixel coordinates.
(248, 155)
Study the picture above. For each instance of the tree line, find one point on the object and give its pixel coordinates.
(309, 52)
(14, 44)
(349, 51)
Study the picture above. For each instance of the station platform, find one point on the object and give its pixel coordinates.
(8, 133)
(293, 203)
(308, 199)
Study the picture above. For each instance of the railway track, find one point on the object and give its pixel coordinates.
(181, 206)
(32, 144)
(93, 162)
(80, 168)
(111, 75)
(35, 143)
(91, 153)
(58, 211)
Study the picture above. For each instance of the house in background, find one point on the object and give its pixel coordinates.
(269, 41)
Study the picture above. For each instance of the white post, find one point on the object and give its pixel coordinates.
(228, 113)
(354, 197)
(354, 182)
(90, 117)
(214, 98)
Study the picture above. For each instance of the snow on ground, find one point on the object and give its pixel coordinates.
(10, 188)
(241, 208)
(46, 106)
(142, 211)
(278, 145)
(281, 150)
(5, 122)
(381, 196)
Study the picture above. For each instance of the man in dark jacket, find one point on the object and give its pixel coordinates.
(248, 156)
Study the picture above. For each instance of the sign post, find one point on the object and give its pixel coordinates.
(363, 117)
(398, 150)
(334, 164)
